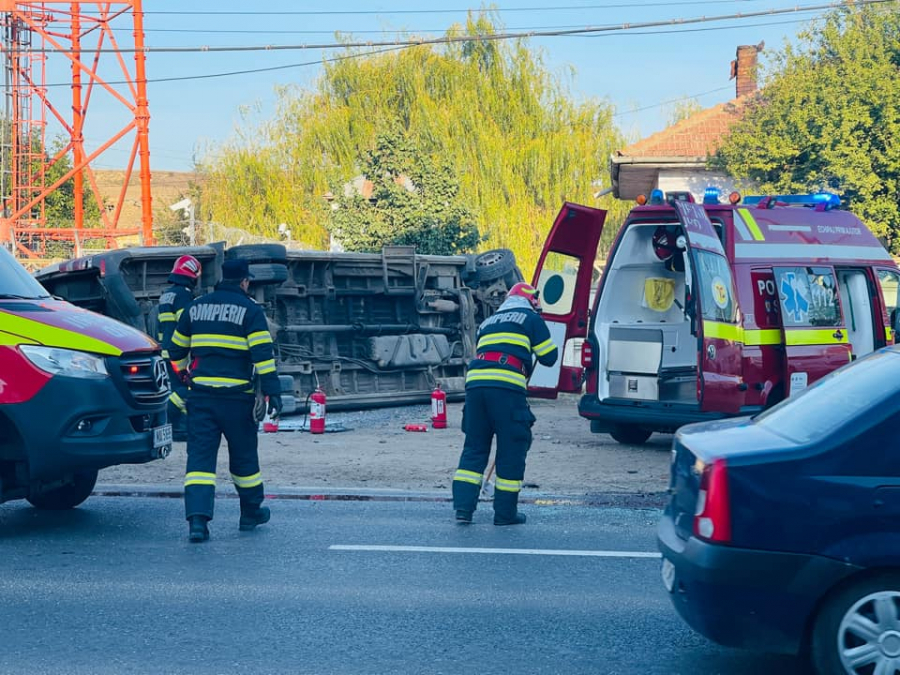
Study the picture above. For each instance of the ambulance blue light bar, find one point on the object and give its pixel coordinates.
(657, 197)
(711, 195)
(828, 199)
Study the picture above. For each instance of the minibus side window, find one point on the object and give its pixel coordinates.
(808, 296)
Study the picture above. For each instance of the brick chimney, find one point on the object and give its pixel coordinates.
(743, 68)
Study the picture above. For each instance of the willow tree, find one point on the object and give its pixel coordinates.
(488, 109)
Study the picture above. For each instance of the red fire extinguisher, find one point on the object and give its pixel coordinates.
(317, 412)
(438, 408)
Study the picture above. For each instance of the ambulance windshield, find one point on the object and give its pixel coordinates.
(15, 282)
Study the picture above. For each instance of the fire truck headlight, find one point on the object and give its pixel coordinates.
(69, 362)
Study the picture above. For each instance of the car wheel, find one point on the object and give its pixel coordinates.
(629, 434)
(288, 404)
(494, 264)
(68, 496)
(258, 253)
(857, 631)
(268, 273)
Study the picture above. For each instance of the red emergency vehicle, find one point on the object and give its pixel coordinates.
(710, 310)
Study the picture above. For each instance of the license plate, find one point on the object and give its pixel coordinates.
(162, 436)
(668, 575)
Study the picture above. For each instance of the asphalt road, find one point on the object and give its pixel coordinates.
(114, 587)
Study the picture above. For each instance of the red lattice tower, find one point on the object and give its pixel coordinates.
(77, 43)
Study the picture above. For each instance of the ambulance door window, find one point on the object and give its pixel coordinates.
(808, 296)
(889, 281)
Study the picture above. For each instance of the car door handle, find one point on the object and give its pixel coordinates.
(838, 334)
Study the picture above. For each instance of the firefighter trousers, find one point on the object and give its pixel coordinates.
(489, 412)
(209, 418)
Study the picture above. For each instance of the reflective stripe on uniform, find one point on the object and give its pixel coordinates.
(178, 402)
(180, 340)
(795, 337)
(763, 336)
(508, 485)
(265, 367)
(723, 331)
(468, 476)
(496, 375)
(516, 339)
(751, 224)
(199, 478)
(247, 481)
(545, 347)
(178, 314)
(223, 341)
(219, 381)
(180, 365)
(166, 317)
(259, 338)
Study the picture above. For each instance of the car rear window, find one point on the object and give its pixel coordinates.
(836, 399)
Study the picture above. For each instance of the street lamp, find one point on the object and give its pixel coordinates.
(187, 206)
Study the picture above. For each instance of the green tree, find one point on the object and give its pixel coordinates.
(828, 118)
(413, 201)
(489, 111)
(681, 110)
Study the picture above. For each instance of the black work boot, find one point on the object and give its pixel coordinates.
(198, 530)
(251, 518)
(506, 508)
(465, 500)
(463, 516)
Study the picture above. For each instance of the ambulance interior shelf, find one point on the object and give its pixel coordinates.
(648, 323)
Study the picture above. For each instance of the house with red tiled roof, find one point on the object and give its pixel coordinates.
(675, 159)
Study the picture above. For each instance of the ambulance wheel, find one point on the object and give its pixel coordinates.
(68, 496)
(628, 434)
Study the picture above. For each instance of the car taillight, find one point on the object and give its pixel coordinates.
(712, 519)
(587, 355)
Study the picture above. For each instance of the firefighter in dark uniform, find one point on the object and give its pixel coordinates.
(172, 302)
(222, 339)
(496, 386)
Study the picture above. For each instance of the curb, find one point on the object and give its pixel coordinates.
(653, 500)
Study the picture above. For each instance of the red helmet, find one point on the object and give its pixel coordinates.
(527, 291)
(188, 266)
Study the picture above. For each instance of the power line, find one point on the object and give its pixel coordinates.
(674, 100)
(458, 10)
(584, 30)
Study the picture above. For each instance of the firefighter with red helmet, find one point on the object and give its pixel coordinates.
(183, 279)
(224, 339)
(496, 405)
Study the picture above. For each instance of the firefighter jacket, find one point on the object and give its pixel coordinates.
(171, 304)
(517, 331)
(222, 338)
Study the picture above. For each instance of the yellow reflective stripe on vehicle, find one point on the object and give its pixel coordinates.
(259, 338)
(265, 367)
(751, 224)
(545, 347)
(166, 317)
(199, 478)
(795, 337)
(219, 381)
(516, 339)
(247, 481)
(7, 340)
(180, 340)
(496, 375)
(508, 485)
(723, 331)
(763, 336)
(215, 340)
(177, 401)
(468, 476)
(51, 336)
(888, 333)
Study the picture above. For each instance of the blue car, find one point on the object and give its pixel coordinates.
(782, 532)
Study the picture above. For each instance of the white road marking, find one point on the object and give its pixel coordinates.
(494, 551)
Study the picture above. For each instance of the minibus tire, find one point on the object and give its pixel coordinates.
(629, 434)
(258, 253)
(66, 496)
(494, 264)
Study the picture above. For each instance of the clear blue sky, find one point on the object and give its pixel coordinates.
(635, 72)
